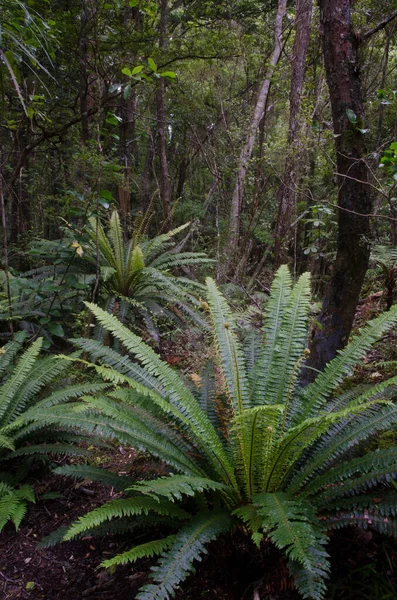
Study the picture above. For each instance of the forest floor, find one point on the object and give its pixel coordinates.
(364, 564)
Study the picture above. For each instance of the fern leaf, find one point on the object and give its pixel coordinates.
(274, 311)
(176, 486)
(317, 393)
(15, 381)
(188, 409)
(189, 545)
(292, 527)
(10, 350)
(368, 471)
(340, 439)
(125, 507)
(87, 472)
(149, 549)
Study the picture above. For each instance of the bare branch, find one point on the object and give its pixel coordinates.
(365, 35)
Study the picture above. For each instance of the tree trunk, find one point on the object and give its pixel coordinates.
(286, 191)
(246, 153)
(340, 46)
(165, 188)
(87, 77)
(131, 20)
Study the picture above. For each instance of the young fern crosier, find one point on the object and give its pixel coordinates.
(23, 385)
(139, 273)
(287, 467)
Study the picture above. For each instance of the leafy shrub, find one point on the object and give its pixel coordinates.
(260, 452)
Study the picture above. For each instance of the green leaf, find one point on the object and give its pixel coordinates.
(126, 71)
(351, 115)
(169, 74)
(137, 70)
(56, 329)
(152, 64)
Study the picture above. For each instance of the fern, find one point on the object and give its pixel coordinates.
(140, 270)
(125, 507)
(144, 550)
(103, 476)
(189, 545)
(175, 487)
(284, 462)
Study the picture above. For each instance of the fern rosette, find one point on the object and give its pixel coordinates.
(260, 453)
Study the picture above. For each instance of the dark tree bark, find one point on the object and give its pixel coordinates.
(87, 76)
(165, 188)
(128, 145)
(340, 46)
(286, 191)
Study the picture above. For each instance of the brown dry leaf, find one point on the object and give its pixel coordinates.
(196, 379)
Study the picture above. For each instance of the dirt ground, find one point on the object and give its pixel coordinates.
(364, 565)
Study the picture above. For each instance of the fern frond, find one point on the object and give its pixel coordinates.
(293, 527)
(176, 486)
(6, 442)
(125, 507)
(368, 471)
(232, 360)
(280, 292)
(169, 260)
(340, 439)
(149, 549)
(291, 340)
(10, 350)
(189, 545)
(86, 472)
(17, 379)
(317, 393)
(253, 520)
(157, 245)
(188, 410)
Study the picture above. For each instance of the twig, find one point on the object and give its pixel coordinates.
(6, 579)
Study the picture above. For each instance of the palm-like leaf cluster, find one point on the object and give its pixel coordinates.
(140, 272)
(24, 388)
(288, 466)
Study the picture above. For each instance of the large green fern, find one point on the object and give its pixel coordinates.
(288, 465)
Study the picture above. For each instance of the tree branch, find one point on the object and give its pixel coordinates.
(365, 35)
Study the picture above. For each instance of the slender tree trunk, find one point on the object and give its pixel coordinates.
(246, 153)
(131, 20)
(87, 92)
(165, 188)
(340, 46)
(286, 191)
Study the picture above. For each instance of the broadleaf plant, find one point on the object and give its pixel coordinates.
(287, 463)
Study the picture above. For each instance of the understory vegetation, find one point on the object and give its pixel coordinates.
(198, 314)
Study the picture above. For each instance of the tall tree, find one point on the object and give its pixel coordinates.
(355, 196)
(165, 188)
(246, 152)
(287, 189)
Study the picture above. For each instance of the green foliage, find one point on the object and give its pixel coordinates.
(288, 465)
(13, 502)
(24, 389)
(139, 271)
